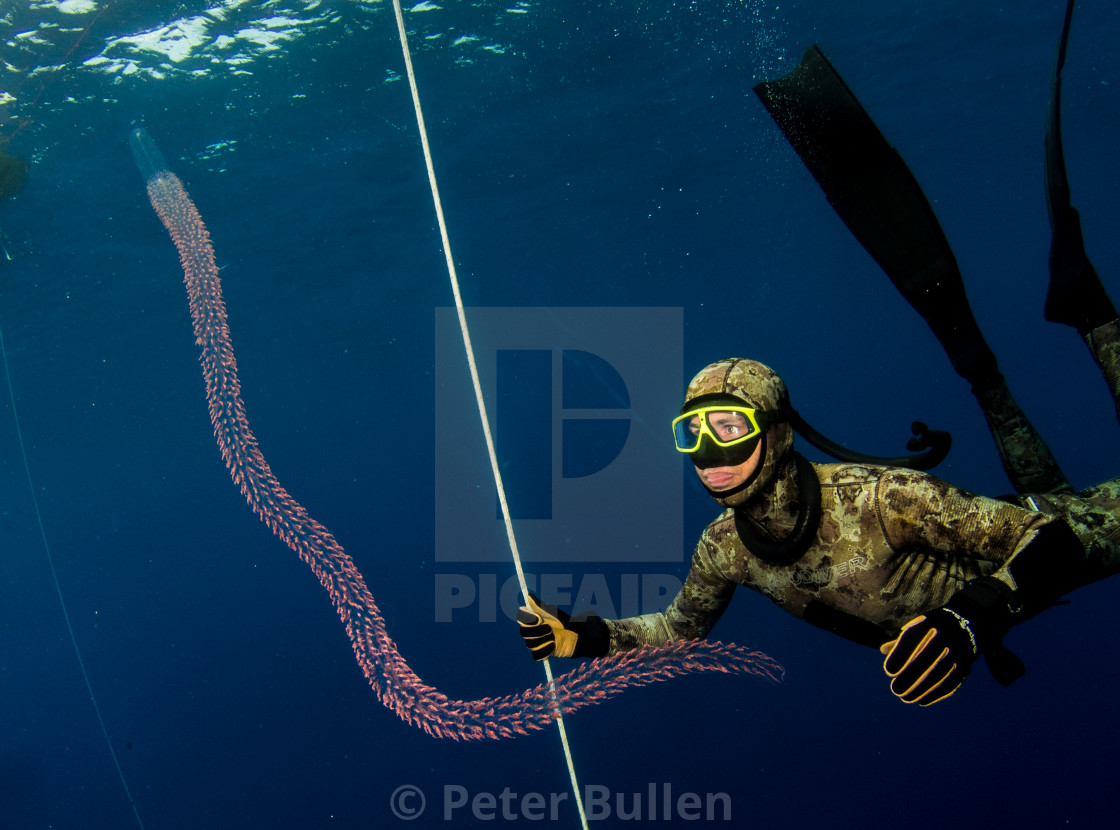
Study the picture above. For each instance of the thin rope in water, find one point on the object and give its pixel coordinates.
(58, 587)
(478, 384)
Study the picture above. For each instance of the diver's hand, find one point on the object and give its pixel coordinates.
(934, 653)
(550, 632)
(931, 657)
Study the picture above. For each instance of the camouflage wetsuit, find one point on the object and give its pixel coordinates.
(890, 543)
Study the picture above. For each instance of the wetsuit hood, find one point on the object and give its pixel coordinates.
(755, 385)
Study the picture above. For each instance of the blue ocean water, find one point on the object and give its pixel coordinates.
(591, 155)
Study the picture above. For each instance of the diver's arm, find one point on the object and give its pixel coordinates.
(935, 651)
(700, 603)
(548, 632)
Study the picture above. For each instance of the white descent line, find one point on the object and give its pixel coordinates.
(478, 386)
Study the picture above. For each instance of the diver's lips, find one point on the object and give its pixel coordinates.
(718, 479)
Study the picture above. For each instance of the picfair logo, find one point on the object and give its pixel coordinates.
(579, 400)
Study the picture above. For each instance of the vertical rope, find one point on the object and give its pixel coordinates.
(477, 383)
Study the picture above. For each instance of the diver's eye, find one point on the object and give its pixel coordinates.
(728, 425)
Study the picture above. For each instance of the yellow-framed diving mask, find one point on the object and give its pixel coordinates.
(724, 424)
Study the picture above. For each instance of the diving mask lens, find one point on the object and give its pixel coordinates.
(725, 425)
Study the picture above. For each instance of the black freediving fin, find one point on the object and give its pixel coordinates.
(874, 192)
(1076, 296)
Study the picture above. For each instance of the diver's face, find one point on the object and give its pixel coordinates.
(721, 479)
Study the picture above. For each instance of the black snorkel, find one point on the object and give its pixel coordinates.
(930, 446)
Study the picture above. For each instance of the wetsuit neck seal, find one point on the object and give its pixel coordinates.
(788, 550)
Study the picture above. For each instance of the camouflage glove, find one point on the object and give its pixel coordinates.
(934, 653)
(550, 632)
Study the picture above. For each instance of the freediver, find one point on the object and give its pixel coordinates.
(884, 555)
